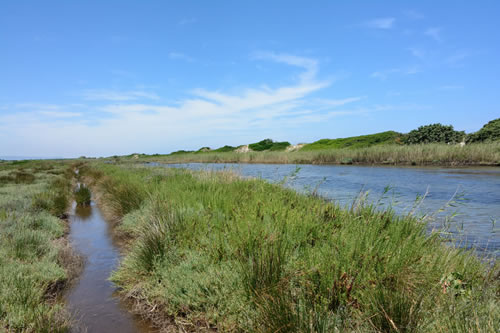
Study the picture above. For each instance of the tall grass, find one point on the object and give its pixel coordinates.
(33, 260)
(82, 195)
(428, 154)
(215, 250)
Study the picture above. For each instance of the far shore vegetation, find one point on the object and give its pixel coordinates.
(435, 144)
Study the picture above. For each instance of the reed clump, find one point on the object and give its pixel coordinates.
(244, 255)
(82, 195)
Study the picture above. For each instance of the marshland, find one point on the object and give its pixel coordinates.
(205, 250)
(249, 166)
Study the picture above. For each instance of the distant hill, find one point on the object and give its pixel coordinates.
(362, 141)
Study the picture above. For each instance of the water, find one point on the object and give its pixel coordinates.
(471, 194)
(92, 300)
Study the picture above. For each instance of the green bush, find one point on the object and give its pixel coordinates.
(434, 133)
(488, 133)
(268, 144)
(225, 149)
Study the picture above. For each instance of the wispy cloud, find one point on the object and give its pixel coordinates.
(180, 56)
(414, 14)
(417, 52)
(338, 102)
(380, 23)
(205, 112)
(434, 33)
(384, 74)
(61, 114)
(115, 95)
(310, 65)
(457, 58)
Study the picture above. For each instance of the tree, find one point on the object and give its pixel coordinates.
(435, 133)
(489, 132)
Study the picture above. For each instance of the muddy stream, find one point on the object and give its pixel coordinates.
(92, 300)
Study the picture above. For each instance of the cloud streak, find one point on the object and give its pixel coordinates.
(380, 23)
(118, 96)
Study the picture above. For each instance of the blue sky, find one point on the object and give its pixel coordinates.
(99, 78)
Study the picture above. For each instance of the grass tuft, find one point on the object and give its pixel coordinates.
(82, 195)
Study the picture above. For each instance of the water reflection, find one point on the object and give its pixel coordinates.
(91, 300)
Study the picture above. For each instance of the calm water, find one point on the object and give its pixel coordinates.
(92, 300)
(476, 192)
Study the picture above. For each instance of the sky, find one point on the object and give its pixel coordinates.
(102, 78)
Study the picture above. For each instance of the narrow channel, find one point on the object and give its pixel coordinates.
(91, 301)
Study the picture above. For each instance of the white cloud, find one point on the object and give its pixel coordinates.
(180, 56)
(380, 23)
(131, 125)
(61, 114)
(338, 102)
(434, 33)
(456, 59)
(384, 75)
(417, 52)
(413, 14)
(310, 65)
(114, 95)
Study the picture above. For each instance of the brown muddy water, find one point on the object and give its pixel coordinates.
(92, 300)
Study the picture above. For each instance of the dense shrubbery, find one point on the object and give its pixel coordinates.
(225, 149)
(489, 132)
(268, 144)
(434, 133)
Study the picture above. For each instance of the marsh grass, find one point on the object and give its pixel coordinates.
(246, 255)
(82, 195)
(385, 154)
(32, 271)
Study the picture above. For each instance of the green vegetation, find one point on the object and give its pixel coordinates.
(214, 250)
(363, 141)
(429, 154)
(35, 261)
(434, 133)
(225, 149)
(268, 144)
(82, 195)
(434, 144)
(488, 133)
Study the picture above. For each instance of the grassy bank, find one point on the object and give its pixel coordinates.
(35, 260)
(387, 154)
(213, 251)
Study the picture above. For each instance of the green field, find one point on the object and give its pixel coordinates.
(216, 251)
(35, 261)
